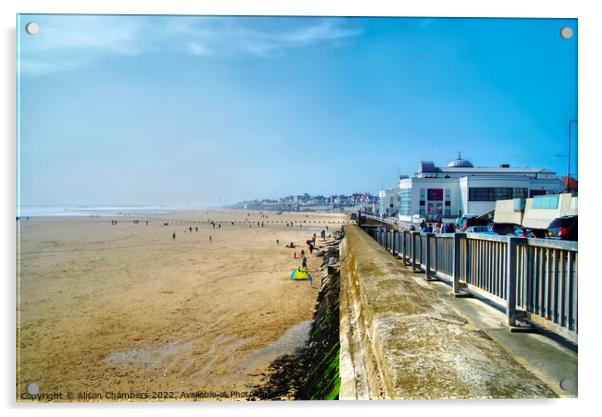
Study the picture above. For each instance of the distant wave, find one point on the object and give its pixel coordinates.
(53, 211)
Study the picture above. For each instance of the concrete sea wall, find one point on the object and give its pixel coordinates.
(400, 339)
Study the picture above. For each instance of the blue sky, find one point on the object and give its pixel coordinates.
(196, 111)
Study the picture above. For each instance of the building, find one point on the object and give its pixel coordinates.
(571, 185)
(388, 202)
(461, 188)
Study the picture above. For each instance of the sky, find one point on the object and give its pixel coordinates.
(194, 111)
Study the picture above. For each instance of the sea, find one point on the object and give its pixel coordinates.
(90, 211)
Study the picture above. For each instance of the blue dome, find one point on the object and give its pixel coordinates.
(459, 162)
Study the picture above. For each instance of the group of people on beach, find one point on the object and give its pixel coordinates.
(311, 246)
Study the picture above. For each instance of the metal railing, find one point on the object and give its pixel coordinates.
(535, 279)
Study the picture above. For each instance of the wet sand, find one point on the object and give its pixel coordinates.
(125, 308)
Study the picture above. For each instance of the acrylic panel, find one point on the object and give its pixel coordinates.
(264, 207)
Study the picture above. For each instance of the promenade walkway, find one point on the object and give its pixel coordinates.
(403, 337)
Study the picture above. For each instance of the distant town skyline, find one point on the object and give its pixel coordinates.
(210, 111)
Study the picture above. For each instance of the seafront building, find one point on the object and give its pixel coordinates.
(364, 202)
(388, 201)
(459, 188)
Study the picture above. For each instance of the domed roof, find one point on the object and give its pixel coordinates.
(460, 162)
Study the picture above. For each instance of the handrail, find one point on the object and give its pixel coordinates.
(531, 278)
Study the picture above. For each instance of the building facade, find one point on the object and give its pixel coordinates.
(388, 202)
(435, 193)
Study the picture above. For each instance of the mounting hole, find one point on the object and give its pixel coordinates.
(566, 384)
(32, 388)
(32, 28)
(566, 32)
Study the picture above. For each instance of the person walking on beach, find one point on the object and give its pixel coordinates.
(196, 229)
(190, 229)
(209, 238)
(277, 241)
(310, 279)
(304, 262)
(302, 253)
(311, 248)
(173, 236)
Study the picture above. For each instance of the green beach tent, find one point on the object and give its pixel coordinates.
(299, 274)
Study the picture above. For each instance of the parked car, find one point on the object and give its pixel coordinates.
(503, 228)
(480, 229)
(531, 233)
(467, 222)
(538, 233)
(461, 219)
(563, 228)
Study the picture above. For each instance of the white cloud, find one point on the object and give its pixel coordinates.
(67, 42)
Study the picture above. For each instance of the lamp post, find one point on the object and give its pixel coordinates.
(568, 175)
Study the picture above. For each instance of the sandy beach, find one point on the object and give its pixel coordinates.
(126, 308)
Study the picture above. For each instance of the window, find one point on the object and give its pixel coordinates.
(533, 193)
(405, 201)
(494, 194)
(447, 203)
(545, 202)
(422, 202)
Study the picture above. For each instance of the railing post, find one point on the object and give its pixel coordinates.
(427, 255)
(456, 264)
(403, 247)
(511, 279)
(415, 242)
(413, 250)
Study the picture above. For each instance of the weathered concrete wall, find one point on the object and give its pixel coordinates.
(401, 339)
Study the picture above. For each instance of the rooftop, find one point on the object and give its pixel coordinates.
(461, 165)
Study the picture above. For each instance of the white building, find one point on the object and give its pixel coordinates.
(460, 188)
(388, 202)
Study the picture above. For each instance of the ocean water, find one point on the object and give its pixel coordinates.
(86, 211)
